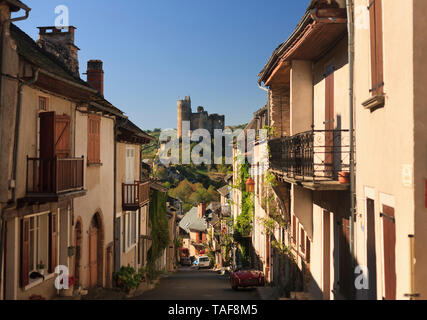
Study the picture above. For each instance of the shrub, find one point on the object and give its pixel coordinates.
(127, 278)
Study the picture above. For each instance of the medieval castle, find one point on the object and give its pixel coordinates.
(199, 120)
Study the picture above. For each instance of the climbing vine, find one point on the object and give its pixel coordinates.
(159, 228)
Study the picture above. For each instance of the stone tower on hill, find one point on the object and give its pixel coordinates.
(199, 120)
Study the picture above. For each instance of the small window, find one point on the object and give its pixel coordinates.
(42, 104)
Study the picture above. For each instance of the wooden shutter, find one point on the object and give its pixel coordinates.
(55, 135)
(376, 35)
(62, 136)
(53, 243)
(25, 251)
(389, 233)
(93, 143)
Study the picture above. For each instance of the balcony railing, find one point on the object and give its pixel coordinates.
(317, 155)
(135, 195)
(54, 176)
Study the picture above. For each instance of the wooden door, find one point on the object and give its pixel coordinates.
(326, 255)
(55, 135)
(77, 256)
(329, 121)
(93, 256)
(345, 269)
(389, 234)
(371, 251)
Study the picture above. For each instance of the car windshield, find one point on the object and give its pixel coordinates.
(204, 259)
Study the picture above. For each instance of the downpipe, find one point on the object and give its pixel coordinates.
(350, 22)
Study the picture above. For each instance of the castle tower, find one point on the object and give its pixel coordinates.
(184, 114)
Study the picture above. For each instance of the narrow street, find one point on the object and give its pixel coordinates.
(192, 284)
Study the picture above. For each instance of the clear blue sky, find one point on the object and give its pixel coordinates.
(155, 51)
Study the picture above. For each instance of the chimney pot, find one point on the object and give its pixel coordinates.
(60, 43)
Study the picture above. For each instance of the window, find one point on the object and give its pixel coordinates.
(38, 247)
(129, 230)
(376, 35)
(42, 104)
(93, 140)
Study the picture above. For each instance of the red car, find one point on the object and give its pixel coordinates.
(246, 277)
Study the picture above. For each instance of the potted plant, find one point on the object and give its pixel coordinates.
(41, 268)
(344, 177)
(70, 291)
(128, 279)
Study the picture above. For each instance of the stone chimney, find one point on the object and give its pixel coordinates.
(60, 43)
(202, 210)
(95, 75)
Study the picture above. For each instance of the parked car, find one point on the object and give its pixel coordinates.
(185, 261)
(246, 277)
(204, 262)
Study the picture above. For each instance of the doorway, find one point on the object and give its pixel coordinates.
(329, 121)
(95, 252)
(78, 250)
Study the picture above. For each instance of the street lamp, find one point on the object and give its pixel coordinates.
(250, 185)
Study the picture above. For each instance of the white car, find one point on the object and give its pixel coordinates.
(204, 262)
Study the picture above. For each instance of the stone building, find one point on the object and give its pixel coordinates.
(199, 120)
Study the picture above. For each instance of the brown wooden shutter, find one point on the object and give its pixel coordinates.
(53, 243)
(94, 136)
(376, 35)
(308, 250)
(25, 251)
(62, 136)
(389, 233)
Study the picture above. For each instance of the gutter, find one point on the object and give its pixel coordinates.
(350, 21)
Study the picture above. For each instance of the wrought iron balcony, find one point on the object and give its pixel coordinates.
(317, 156)
(135, 195)
(54, 177)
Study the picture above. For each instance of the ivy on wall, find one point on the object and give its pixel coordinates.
(159, 228)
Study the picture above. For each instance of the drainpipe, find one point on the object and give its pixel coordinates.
(268, 102)
(349, 5)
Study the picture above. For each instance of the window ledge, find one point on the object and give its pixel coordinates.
(374, 102)
(37, 282)
(129, 249)
(94, 164)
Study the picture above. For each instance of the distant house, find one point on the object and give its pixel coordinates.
(194, 224)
